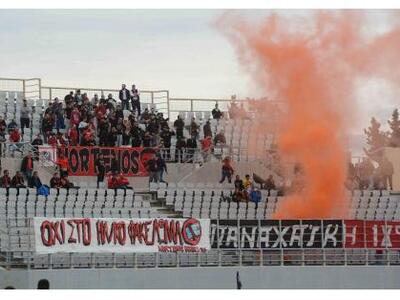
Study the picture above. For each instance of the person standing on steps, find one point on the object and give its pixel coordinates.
(227, 170)
(100, 169)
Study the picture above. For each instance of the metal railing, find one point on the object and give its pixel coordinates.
(17, 251)
(215, 257)
(32, 88)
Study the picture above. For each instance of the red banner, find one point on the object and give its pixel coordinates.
(131, 161)
(372, 234)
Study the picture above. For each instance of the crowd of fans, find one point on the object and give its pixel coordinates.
(104, 121)
(364, 175)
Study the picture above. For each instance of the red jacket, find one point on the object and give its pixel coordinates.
(15, 136)
(73, 136)
(112, 182)
(52, 140)
(122, 181)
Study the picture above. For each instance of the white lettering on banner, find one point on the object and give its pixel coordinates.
(54, 235)
(297, 234)
(232, 236)
(281, 239)
(264, 235)
(352, 234)
(375, 233)
(330, 235)
(314, 230)
(251, 238)
(386, 241)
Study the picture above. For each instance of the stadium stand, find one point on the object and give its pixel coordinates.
(177, 199)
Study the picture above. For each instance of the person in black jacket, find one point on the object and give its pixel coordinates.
(179, 124)
(191, 146)
(114, 164)
(124, 96)
(100, 169)
(137, 135)
(179, 149)
(55, 181)
(135, 100)
(207, 129)
(34, 181)
(36, 143)
(166, 135)
(154, 169)
(216, 113)
(18, 181)
(162, 166)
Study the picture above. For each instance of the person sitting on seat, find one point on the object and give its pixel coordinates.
(220, 139)
(247, 182)
(15, 138)
(18, 180)
(65, 183)
(270, 183)
(239, 183)
(34, 181)
(123, 182)
(112, 182)
(6, 179)
(12, 126)
(55, 181)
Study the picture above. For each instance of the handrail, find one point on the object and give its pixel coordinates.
(97, 89)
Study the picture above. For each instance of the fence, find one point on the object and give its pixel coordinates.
(17, 251)
(32, 89)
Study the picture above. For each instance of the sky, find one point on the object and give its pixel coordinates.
(178, 50)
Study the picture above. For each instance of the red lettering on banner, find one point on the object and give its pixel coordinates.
(178, 235)
(71, 240)
(46, 234)
(172, 232)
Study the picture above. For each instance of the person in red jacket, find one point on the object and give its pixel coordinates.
(227, 170)
(112, 182)
(5, 181)
(62, 162)
(73, 136)
(123, 182)
(75, 117)
(206, 147)
(52, 139)
(15, 138)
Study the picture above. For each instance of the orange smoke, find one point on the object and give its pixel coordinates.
(311, 65)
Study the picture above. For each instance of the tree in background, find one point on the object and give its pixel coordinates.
(375, 137)
(394, 134)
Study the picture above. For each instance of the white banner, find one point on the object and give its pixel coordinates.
(84, 235)
(48, 155)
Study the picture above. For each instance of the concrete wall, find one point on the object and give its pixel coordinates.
(342, 277)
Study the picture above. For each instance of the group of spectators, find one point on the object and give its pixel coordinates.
(364, 175)
(104, 121)
(244, 189)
